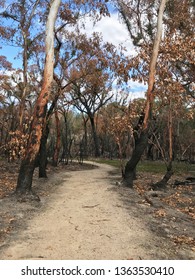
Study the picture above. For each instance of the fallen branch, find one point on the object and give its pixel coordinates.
(92, 206)
(189, 181)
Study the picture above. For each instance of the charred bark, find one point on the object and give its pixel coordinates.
(142, 139)
(85, 138)
(130, 168)
(95, 137)
(25, 177)
(24, 183)
(163, 183)
(58, 140)
(42, 161)
(42, 158)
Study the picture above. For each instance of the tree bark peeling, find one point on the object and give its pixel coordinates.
(24, 183)
(142, 138)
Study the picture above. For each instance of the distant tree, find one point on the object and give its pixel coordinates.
(23, 15)
(95, 73)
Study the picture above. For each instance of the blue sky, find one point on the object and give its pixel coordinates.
(113, 30)
(11, 53)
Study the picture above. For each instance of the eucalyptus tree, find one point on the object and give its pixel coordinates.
(144, 20)
(28, 163)
(53, 9)
(19, 28)
(94, 77)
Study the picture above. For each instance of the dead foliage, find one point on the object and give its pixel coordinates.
(184, 240)
(179, 197)
(8, 177)
(173, 208)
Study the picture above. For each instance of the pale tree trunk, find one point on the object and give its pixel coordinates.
(27, 167)
(25, 82)
(25, 23)
(141, 140)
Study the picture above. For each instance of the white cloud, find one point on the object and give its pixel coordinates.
(112, 30)
(137, 90)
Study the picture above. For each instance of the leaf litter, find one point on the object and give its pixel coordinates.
(175, 213)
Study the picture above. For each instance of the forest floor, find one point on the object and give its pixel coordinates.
(84, 214)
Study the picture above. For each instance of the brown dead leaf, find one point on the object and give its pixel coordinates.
(160, 213)
(183, 239)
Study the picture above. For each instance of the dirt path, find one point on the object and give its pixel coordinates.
(86, 219)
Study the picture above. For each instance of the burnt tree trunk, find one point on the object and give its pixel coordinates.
(85, 138)
(58, 140)
(130, 168)
(42, 160)
(142, 140)
(95, 137)
(163, 183)
(24, 183)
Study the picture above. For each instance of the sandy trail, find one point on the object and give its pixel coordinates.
(84, 219)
